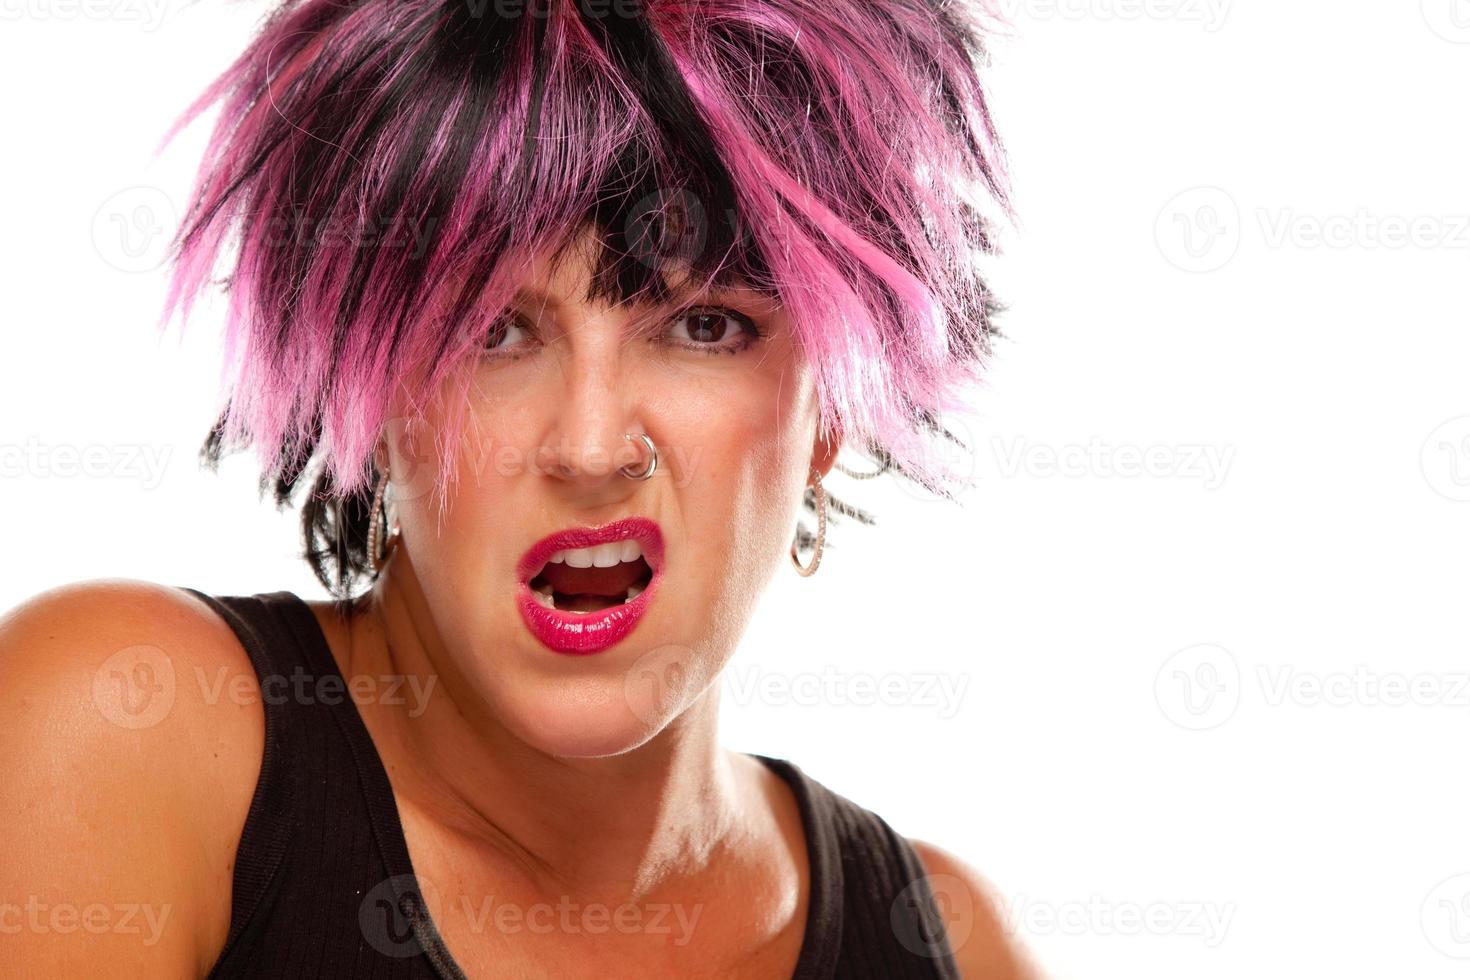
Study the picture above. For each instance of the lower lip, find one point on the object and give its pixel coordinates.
(588, 632)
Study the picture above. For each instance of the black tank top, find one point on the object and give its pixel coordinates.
(323, 885)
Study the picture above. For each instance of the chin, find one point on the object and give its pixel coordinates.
(582, 718)
(599, 705)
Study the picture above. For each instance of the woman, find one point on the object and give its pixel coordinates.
(561, 310)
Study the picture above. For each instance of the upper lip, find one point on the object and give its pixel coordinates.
(641, 529)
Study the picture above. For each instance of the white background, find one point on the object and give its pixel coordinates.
(1178, 748)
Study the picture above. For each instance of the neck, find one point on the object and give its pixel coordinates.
(624, 825)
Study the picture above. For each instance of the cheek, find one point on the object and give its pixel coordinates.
(742, 454)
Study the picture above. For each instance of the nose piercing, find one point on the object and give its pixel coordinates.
(647, 471)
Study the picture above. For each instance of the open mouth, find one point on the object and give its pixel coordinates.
(584, 589)
(592, 579)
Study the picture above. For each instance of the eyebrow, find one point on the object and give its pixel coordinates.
(535, 297)
(532, 296)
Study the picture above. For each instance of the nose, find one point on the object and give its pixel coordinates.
(593, 408)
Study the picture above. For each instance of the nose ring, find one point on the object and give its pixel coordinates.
(647, 471)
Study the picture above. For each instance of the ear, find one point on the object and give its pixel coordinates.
(824, 452)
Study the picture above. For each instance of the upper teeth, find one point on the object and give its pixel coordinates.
(600, 556)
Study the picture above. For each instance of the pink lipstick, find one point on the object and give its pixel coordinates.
(590, 565)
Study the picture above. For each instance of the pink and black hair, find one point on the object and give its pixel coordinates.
(383, 167)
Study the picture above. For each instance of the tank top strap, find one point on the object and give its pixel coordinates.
(273, 648)
(323, 885)
(873, 913)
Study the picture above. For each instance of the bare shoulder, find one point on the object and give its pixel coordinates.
(131, 734)
(983, 947)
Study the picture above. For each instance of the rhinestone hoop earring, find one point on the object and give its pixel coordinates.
(378, 551)
(652, 465)
(807, 570)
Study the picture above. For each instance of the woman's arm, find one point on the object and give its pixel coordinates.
(129, 759)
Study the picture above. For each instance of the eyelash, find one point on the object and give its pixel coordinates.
(753, 333)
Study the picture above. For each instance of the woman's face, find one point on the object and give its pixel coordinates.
(734, 417)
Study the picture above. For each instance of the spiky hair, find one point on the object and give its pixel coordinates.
(382, 169)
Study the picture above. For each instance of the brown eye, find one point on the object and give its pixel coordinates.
(507, 331)
(715, 330)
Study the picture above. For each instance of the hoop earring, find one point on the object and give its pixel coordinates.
(808, 570)
(378, 551)
(652, 464)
